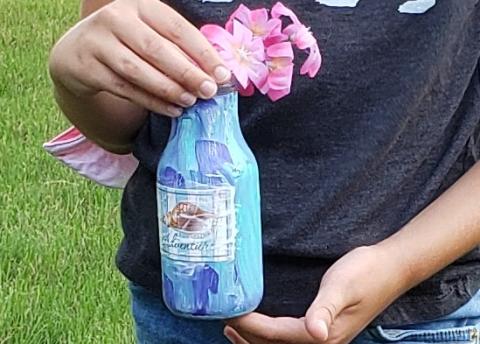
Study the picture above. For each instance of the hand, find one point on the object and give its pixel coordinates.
(140, 50)
(356, 289)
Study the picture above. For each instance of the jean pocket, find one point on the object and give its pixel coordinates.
(466, 334)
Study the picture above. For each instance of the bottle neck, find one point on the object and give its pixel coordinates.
(213, 119)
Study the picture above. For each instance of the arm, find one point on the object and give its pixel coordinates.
(365, 281)
(445, 231)
(95, 115)
(124, 57)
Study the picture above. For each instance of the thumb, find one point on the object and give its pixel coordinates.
(325, 308)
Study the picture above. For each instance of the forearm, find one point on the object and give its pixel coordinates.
(108, 120)
(443, 232)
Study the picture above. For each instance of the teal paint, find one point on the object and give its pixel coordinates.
(209, 214)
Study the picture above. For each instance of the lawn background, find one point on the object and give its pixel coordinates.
(58, 232)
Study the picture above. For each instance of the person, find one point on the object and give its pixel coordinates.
(369, 177)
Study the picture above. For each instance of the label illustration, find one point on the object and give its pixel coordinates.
(197, 225)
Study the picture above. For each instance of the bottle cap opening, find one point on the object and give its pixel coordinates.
(228, 87)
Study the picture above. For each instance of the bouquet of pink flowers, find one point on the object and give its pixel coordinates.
(259, 51)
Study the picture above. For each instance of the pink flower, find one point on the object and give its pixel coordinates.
(259, 53)
(256, 21)
(300, 35)
(279, 61)
(302, 38)
(248, 91)
(274, 38)
(279, 10)
(312, 64)
(243, 53)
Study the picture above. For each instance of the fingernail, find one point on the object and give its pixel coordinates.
(208, 89)
(221, 74)
(226, 334)
(175, 111)
(187, 99)
(322, 326)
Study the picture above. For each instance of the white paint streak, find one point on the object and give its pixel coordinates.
(416, 6)
(339, 3)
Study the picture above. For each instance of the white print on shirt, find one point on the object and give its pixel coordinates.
(416, 6)
(412, 6)
(338, 3)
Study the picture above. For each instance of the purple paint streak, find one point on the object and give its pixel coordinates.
(204, 280)
(211, 156)
(168, 292)
(171, 178)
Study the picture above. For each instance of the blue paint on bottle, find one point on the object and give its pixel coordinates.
(209, 214)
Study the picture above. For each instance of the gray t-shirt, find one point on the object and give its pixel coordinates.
(349, 157)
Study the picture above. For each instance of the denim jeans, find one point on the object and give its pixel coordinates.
(156, 325)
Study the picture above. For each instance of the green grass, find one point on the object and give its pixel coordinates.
(58, 232)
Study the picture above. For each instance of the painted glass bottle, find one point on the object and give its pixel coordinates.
(209, 213)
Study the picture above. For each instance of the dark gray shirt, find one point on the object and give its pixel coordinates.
(349, 157)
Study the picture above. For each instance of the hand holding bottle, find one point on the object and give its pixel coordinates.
(139, 50)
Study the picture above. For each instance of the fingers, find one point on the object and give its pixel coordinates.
(258, 328)
(349, 324)
(107, 80)
(233, 336)
(322, 313)
(167, 58)
(142, 51)
(317, 326)
(138, 72)
(171, 25)
(255, 323)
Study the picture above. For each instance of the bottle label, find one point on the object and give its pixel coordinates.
(197, 225)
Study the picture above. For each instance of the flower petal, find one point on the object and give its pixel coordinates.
(242, 13)
(248, 91)
(312, 64)
(241, 73)
(258, 73)
(300, 36)
(275, 95)
(259, 17)
(229, 59)
(217, 36)
(281, 78)
(283, 49)
(257, 49)
(259, 23)
(241, 34)
(279, 10)
(274, 38)
(274, 26)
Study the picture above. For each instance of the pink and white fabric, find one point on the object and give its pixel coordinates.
(90, 160)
